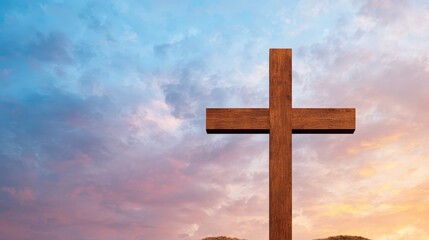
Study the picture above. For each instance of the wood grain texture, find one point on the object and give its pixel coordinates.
(280, 121)
(257, 120)
(280, 166)
(237, 120)
(323, 120)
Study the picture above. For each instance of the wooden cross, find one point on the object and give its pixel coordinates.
(280, 120)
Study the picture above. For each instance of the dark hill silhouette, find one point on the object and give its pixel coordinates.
(341, 237)
(221, 238)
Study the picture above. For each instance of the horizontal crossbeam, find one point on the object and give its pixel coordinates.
(257, 120)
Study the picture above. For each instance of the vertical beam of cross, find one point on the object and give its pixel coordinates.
(280, 178)
(280, 120)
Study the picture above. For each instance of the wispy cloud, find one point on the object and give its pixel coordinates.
(102, 112)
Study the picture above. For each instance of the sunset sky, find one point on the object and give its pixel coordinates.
(102, 118)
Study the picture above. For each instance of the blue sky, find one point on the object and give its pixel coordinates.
(102, 108)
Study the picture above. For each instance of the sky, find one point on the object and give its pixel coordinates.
(102, 115)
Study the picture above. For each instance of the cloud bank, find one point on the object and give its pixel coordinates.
(102, 110)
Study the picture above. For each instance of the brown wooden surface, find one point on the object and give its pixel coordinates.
(280, 121)
(257, 120)
(237, 120)
(280, 179)
(323, 120)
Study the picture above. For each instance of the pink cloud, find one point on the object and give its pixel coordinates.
(22, 195)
